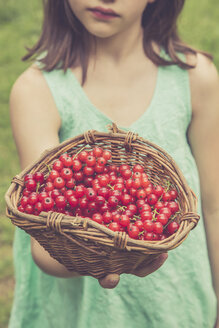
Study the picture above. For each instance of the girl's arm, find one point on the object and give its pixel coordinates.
(203, 136)
(35, 123)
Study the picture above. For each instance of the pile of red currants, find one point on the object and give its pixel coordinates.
(120, 197)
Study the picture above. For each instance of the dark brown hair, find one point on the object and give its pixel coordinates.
(64, 42)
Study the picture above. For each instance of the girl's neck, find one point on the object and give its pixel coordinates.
(120, 47)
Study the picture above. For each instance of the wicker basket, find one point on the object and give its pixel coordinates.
(85, 246)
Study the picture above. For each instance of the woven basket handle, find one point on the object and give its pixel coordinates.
(130, 137)
(113, 128)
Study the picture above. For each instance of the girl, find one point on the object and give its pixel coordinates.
(100, 61)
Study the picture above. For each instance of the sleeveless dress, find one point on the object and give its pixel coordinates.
(180, 293)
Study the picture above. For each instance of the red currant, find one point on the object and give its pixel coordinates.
(48, 204)
(173, 227)
(114, 226)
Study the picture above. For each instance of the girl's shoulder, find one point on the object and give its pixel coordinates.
(30, 79)
(204, 80)
(31, 90)
(30, 97)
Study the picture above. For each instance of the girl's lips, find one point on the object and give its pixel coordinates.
(103, 13)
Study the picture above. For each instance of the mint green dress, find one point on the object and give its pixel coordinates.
(180, 293)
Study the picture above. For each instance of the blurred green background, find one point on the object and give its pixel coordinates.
(19, 27)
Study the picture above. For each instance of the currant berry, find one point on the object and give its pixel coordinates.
(173, 194)
(97, 217)
(66, 173)
(58, 165)
(88, 170)
(159, 205)
(148, 225)
(138, 168)
(42, 195)
(78, 176)
(132, 208)
(166, 211)
(101, 161)
(71, 183)
(38, 177)
(136, 183)
(73, 201)
(173, 206)
(172, 227)
(141, 194)
(107, 217)
(38, 207)
(107, 155)
(67, 160)
(103, 192)
(158, 190)
(146, 215)
(79, 191)
(49, 186)
(114, 226)
(113, 201)
(59, 183)
(83, 203)
(76, 165)
(148, 190)
(60, 201)
(103, 180)
(97, 151)
(162, 218)
(24, 201)
(53, 175)
(144, 207)
(90, 160)
(126, 199)
(158, 228)
(152, 199)
(124, 220)
(91, 194)
(99, 168)
(133, 231)
(140, 225)
(82, 156)
(166, 196)
(33, 198)
(92, 206)
(28, 177)
(28, 209)
(31, 185)
(48, 204)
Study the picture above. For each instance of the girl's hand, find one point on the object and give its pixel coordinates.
(112, 280)
(217, 320)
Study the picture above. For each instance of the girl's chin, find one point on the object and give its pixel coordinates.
(101, 32)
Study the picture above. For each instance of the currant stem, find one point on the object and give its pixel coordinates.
(48, 167)
(155, 213)
(122, 208)
(111, 187)
(171, 220)
(78, 152)
(168, 184)
(37, 187)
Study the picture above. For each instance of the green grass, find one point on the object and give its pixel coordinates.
(19, 27)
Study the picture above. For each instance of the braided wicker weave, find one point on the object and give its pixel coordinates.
(85, 246)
